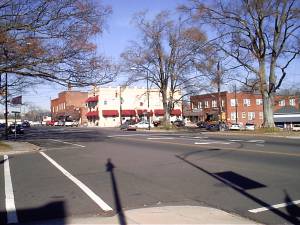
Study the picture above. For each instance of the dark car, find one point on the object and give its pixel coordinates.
(156, 123)
(217, 127)
(26, 124)
(18, 128)
(178, 123)
(128, 125)
(202, 124)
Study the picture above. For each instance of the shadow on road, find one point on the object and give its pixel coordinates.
(110, 168)
(53, 213)
(241, 184)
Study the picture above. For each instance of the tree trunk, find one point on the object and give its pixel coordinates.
(268, 100)
(165, 106)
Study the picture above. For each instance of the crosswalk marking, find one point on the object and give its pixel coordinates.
(9, 194)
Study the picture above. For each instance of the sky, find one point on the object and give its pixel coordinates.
(117, 34)
(116, 37)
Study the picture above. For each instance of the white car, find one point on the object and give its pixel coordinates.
(235, 126)
(143, 125)
(249, 126)
(296, 127)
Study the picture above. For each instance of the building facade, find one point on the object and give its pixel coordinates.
(111, 106)
(237, 107)
(71, 105)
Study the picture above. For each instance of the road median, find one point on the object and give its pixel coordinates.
(17, 147)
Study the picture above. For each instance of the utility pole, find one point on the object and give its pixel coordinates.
(236, 109)
(6, 93)
(148, 109)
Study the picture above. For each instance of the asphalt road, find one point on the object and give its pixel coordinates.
(82, 172)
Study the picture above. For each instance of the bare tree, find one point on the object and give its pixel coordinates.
(164, 56)
(262, 36)
(51, 40)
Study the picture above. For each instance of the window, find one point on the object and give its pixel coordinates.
(243, 115)
(206, 105)
(233, 102)
(222, 103)
(292, 102)
(141, 103)
(214, 104)
(259, 101)
(199, 105)
(261, 115)
(251, 115)
(247, 102)
(233, 116)
(105, 102)
(282, 102)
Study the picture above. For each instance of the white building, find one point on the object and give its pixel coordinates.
(107, 107)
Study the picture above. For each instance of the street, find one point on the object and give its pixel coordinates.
(89, 172)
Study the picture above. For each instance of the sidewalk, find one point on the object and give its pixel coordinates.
(16, 147)
(161, 215)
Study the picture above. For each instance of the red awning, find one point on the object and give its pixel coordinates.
(110, 113)
(176, 112)
(92, 99)
(128, 112)
(92, 113)
(142, 112)
(159, 112)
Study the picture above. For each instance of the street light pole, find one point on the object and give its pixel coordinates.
(236, 109)
(148, 109)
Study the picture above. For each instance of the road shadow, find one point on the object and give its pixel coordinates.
(237, 183)
(53, 213)
(292, 209)
(110, 168)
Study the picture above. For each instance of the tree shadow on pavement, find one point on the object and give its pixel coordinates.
(237, 183)
(53, 213)
(110, 168)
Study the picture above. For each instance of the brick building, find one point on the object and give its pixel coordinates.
(70, 105)
(242, 108)
(111, 106)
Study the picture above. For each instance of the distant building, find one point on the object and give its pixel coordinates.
(69, 105)
(243, 108)
(111, 106)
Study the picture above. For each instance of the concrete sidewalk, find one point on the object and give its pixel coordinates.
(160, 215)
(17, 147)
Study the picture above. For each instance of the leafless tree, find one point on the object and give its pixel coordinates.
(164, 56)
(51, 40)
(261, 35)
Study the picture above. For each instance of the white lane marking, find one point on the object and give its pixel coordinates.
(81, 185)
(236, 140)
(161, 138)
(9, 194)
(256, 141)
(147, 135)
(281, 205)
(212, 142)
(67, 143)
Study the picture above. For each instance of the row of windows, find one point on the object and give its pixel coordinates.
(246, 102)
(291, 102)
(205, 104)
(251, 115)
(59, 107)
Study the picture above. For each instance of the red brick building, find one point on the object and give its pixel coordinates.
(241, 108)
(69, 104)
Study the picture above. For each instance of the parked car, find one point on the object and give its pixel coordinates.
(143, 125)
(178, 123)
(18, 129)
(235, 126)
(50, 123)
(249, 126)
(26, 124)
(156, 123)
(201, 124)
(71, 123)
(59, 123)
(296, 127)
(128, 125)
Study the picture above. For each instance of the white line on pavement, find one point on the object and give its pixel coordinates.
(82, 186)
(281, 205)
(212, 142)
(256, 141)
(161, 138)
(236, 140)
(9, 194)
(67, 143)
